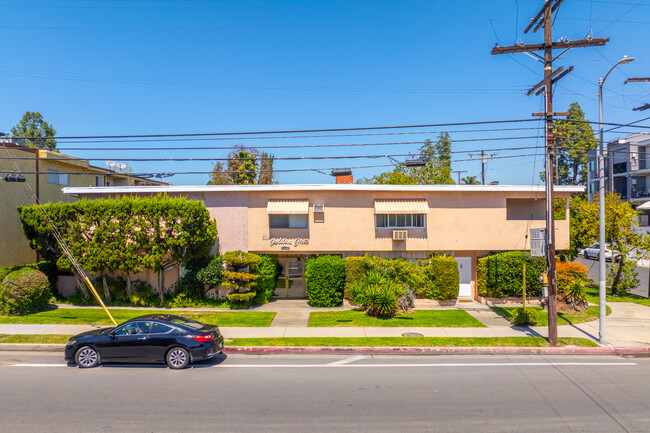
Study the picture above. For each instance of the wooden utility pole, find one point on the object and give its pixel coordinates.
(484, 157)
(459, 172)
(544, 18)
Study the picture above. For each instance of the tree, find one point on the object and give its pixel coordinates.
(436, 170)
(470, 180)
(573, 138)
(35, 129)
(620, 233)
(125, 234)
(244, 167)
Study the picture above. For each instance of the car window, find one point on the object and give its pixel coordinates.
(133, 328)
(158, 328)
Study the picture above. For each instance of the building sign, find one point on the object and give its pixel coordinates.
(286, 241)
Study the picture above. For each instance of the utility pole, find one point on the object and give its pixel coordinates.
(459, 172)
(484, 157)
(639, 80)
(544, 18)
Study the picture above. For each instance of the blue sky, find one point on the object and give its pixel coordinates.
(168, 67)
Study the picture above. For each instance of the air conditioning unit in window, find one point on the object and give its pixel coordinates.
(400, 235)
(319, 208)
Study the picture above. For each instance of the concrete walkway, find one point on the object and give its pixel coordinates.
(627, 326)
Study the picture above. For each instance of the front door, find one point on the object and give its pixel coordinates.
(291, 278)
(465, 277)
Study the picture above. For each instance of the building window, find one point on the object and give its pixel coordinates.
(399, 220)
(57, 178)
(98, 181)
(288, 221)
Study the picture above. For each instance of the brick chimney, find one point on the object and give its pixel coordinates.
(345, 179)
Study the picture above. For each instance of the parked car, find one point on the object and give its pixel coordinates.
(156, 338)
(594, 250)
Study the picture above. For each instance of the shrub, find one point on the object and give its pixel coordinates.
(267, 271)
(503, 275)
(240, 284)
(442, 272)
(568, 272)
(325, 277)
(355, 269)
(24, 291)
(48, 268)
(382, 300)
(524, 316)
(399, 270)
(210, 275)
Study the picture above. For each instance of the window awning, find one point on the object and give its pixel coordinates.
(291, 207)
(401, 206)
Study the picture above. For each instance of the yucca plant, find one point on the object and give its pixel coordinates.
(382, 300)
(576, 295)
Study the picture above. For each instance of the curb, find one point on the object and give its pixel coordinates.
(641, 351)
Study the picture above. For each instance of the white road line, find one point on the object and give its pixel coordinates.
(347, 360)
(38, 365)
(509, 364)
(344, 364)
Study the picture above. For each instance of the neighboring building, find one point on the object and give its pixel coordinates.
(627, 170)
(56, 171)
(293, 222)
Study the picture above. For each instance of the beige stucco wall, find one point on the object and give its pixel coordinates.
(457, 221)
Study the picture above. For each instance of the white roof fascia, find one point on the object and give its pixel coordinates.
(314, 187)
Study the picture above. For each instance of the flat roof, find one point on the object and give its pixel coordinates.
(314, 187)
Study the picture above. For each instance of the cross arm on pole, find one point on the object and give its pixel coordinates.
(553, 45)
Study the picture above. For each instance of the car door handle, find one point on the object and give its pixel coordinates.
(142, 338)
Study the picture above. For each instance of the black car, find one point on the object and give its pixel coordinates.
(165, 338)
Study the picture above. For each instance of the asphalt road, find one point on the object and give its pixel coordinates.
(594, 266)
(329, 394)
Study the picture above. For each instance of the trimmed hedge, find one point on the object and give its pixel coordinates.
(23, 292)
(431, 278)
(267, 270)
(442, 271)
(501, 275)
(325, 277)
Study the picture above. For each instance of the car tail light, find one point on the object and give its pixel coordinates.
(203, 338)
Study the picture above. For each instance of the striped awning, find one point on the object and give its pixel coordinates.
(288, 207)
(401, 206)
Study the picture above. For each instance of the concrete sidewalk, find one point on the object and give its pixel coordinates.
(627, 326)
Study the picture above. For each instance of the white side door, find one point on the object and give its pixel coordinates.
(465, 277)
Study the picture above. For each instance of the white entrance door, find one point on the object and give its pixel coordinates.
(465, 277)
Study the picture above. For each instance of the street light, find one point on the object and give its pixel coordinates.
(602, 284)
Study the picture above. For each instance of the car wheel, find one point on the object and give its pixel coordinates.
(178, 358)
(86, 357)
(586, 255)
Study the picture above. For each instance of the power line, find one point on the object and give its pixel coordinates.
(296, 131)
(288, 170)
(289, 158)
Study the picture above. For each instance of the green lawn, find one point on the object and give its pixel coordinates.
(351, 342)
(562, 318)
(35, 339)
(96, 316)
(593, 297)
(411, 342)
(451, 318)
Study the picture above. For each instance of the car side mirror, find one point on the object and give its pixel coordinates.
(111, 334)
